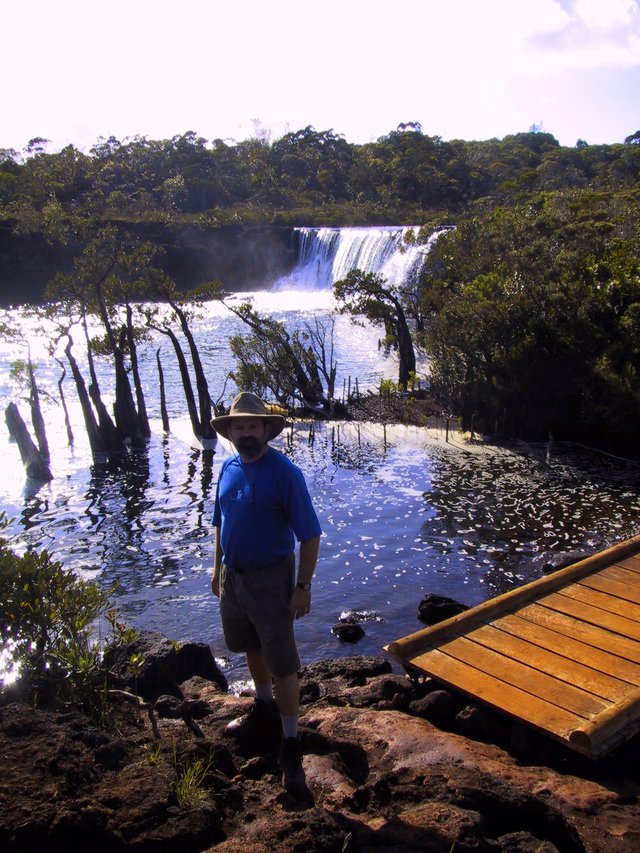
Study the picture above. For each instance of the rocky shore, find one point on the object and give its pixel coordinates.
(392, 765)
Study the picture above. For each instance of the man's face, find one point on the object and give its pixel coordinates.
(250, 436)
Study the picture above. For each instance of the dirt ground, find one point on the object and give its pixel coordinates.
(390, 765)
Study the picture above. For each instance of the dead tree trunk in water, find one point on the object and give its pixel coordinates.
(63, 401)
(204, 398)
(163, 397)
(103, 437)
(36, 413)
(35, 466)
(143, 418)
(186, 380)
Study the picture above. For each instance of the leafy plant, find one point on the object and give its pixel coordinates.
(134, 665)
(387, 388)
(47, 619)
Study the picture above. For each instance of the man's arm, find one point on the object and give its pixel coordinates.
(308, 559)
(217, 562)
(301, 598)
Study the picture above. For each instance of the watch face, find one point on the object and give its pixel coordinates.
(305, 586)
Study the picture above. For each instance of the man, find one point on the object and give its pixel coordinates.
(262, 506)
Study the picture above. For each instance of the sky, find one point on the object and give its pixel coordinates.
(75, 71)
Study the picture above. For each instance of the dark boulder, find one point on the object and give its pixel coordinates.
(435, 608)
(152, 665)
(348, 632)
(197, 659)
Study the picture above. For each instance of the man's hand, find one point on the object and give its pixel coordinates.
(215, 584)
(300, 602)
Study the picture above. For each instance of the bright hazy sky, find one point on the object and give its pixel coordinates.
(75, 70)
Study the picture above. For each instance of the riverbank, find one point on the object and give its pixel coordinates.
(242, 257)
(392, 766)
(417, 410)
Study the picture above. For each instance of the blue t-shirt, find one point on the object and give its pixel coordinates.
(260, 506)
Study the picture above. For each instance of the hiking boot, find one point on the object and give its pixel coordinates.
(261, 719)
(290, 761)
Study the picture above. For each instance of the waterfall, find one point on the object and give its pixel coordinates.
(326, 255)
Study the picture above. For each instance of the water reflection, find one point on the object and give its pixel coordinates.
(403, 514)
(497, 520)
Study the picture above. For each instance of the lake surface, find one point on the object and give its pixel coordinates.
(403, 512)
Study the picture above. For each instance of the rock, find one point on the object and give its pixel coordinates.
(172, 708)
(438, 706)
(386, 692)
(435, 608)
(152, 665)
(111, 755)
(169, 707)
(196, 659)
(348, 671)
(255, 768)
(524, 842)
(147, 665)
(383, 780)
(348, 632)
(480, 722)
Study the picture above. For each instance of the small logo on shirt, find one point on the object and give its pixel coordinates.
(239, 495)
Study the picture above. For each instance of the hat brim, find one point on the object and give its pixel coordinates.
(222, 423)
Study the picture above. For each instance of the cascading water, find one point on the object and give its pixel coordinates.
(326, 255)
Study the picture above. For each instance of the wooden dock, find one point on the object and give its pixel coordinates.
(560, 654)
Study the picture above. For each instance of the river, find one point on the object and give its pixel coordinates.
(404, 513)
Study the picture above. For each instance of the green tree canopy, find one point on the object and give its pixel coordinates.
(532, 310)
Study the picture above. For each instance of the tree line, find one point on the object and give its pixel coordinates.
(307, 177)
(528, 309)
(529, 315)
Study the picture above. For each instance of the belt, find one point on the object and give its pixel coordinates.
(238, 570)
(243, 570)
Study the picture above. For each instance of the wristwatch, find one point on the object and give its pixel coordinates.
(305, 586)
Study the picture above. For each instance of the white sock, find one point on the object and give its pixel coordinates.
(289, 726)
(264, 692)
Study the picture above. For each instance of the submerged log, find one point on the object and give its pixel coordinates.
(34, 464)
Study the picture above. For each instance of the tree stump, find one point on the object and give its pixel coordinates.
(35, 465)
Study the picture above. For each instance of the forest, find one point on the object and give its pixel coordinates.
(529, 309)
(307, 177)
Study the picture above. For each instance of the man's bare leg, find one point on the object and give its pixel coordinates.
(258, 667)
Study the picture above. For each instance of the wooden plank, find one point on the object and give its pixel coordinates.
(492, 608)
(613, 587)
(610, 665)
(563, 603)
(605, 600)
(592, 635)
(486, 661)
(563, 667)
(514, 701)
(561, 654)
(622, 571)
(605, 730)
(632, 562)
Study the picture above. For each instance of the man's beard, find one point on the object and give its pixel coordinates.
(249, 446)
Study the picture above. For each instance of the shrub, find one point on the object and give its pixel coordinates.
(47, 619)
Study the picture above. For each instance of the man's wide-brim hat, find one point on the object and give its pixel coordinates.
(248, 405)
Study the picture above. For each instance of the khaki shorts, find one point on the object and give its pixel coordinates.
(255, 609)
